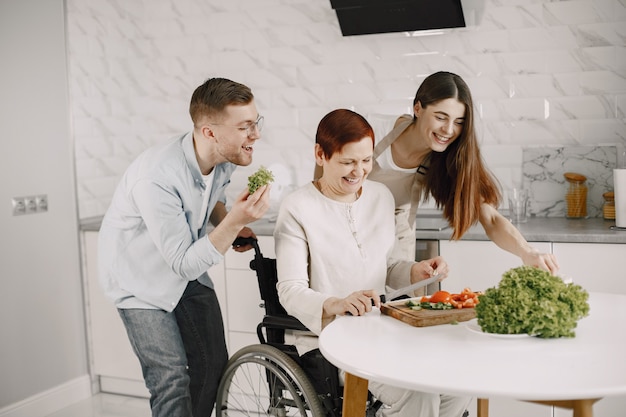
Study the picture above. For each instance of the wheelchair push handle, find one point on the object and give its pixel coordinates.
(253, 241)
(243, 241)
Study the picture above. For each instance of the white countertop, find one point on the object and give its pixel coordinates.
(547, 229)
(537, 229)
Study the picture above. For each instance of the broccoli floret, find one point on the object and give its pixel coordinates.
(260, 178)
(530, 300)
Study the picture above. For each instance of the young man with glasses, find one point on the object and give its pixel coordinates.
(156, 245)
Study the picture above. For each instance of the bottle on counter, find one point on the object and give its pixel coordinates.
(608, 209)
(576, 195)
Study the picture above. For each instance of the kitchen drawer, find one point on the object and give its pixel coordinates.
(243, 301)
(238, 340)
(478, 264)
(597, 267)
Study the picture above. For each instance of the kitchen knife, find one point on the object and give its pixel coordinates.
(396, 293)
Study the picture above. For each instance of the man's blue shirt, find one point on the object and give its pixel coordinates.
(149, 246)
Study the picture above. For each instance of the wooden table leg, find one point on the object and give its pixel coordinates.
(482, 407)
(354, 396)
(582, 408)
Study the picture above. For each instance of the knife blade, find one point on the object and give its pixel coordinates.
(395, 293)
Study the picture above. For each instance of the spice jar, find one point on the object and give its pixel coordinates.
(576, 196)
(608, 210)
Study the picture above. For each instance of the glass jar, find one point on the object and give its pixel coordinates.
(576, 196)
(608, 210)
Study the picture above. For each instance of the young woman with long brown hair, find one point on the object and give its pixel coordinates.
(435, 153)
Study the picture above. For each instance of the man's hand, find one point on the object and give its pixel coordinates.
(246, 209)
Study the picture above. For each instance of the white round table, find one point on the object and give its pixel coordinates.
(455, 360)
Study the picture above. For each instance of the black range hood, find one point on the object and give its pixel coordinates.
(363, 17)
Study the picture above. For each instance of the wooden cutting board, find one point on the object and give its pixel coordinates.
(424, 317)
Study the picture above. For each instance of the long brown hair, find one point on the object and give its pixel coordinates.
(457, 178)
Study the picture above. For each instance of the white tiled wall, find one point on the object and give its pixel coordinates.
(543, 73)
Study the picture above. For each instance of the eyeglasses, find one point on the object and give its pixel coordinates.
(249, 128)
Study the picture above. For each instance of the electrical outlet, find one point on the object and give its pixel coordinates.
(30, 204)
(42, 202)
(19, 207)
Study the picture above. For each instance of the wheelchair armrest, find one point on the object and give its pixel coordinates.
(275, 328)
(284, 322)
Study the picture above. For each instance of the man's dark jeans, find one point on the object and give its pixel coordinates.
(182, 354)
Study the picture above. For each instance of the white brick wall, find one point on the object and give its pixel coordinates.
(542, 73)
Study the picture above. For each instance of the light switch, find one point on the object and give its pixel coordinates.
(30, 204)
(19, 207)
(42, 202)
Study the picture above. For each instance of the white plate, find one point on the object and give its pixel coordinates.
(473, 326)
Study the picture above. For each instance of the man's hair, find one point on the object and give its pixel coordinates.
(212, 97)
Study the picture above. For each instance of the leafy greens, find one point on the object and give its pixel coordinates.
(260, 178)
(530, 300)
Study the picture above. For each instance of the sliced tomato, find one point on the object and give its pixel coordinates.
(440, 297)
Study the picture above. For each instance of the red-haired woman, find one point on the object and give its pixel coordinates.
(334, 240)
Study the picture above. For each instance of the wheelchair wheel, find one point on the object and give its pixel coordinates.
(260, 380)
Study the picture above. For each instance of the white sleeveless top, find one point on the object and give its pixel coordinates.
(385, 160)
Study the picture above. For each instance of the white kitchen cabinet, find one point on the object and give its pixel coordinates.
(606, 407)
(478, 264)
(113, 362)
(597, 267)
(499, 407)
(243, 307)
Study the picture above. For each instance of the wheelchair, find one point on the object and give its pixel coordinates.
(270, 378)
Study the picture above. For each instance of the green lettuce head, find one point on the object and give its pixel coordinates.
(532, 301)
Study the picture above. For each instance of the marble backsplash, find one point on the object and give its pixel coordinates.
(543, 169)
(538, 169)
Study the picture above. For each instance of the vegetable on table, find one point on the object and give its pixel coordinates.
(529, 300)
(466, 299)
(440, 297)
(261, 177)
(443, 300)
